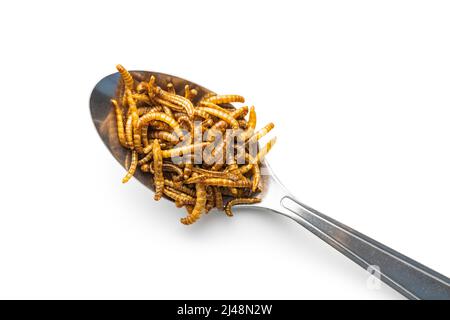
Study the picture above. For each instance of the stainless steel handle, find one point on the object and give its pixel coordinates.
(410, 278)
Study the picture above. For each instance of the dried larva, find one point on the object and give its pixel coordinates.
(176, 152)
(126, 76)
(133, 166)
(129, 132)
(176, 195)
(171, 88)
(221, 182)
(221, 115)
(148, 117)
(227, 98)
(158, 172)
(163, 135)
(119, 121)
(238, 201)
(199, 207)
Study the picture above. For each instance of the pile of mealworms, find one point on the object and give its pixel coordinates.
(160, 126)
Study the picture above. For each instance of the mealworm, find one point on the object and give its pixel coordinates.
(210, 200)
(199, 205)
(132, 168)
(178, 186)
(188, 94)
(177, 100)
(171, 88)
(213, 106)
(265, 150)
(148, 117)
(218, 200)
(144, 136)
(179, 196)
(126, 76)
(142, 87)
(163, 135)
(216, 174)
(119, 121)
(139, 97)
(235, 114)
(207, 96)
(176, 152)
(221, 182)
(157, 168)
(129, 132)
(261, 133)
(221, 115)
(227, 98)
(173, 168)
(144, 110)
(172, 106)
(238, 201)
(146, 159)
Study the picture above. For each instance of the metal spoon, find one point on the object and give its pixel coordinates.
(410, 278)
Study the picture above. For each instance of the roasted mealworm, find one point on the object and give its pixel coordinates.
(227, 98)
(176, 152)
(173, 168)
(220, 182)
(207, 96)
(216, 174)
(221, 115)
(129, 132)
(210, 200)
(177, 100)
(132, 168)
(218, 200)
(146, 159)
(163, 135)
(171, 88)
(142, 87)
(157, 167)
(119, 121)
(239, 201)
(261, 133)
(178, 186)
(265, 150)
(213, 106)
(148, 117)
(144, 110)
(126, 76)
(144, 136)
(179, 196)
(199, 205)
(235, 114)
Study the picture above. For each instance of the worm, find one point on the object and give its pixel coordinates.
(148, 117)
(132, 168)
(119, 121)
(126, 76)
(164, 135)
(176, 152)
(179, 196)
(229, 119)
(221, 182)
(199, 207)
(227, 98)
(238, 201)
(158, 172)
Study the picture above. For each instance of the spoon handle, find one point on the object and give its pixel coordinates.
(410, 278)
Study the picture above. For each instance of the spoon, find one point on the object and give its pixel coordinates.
(410, 278)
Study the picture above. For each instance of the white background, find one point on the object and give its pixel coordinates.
(360, 95)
